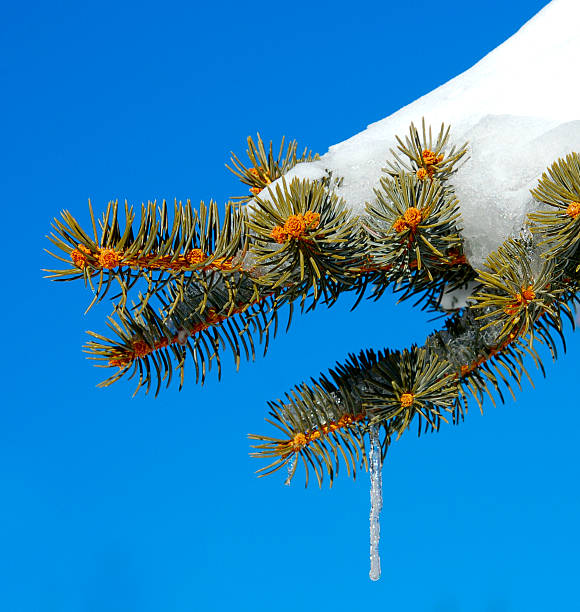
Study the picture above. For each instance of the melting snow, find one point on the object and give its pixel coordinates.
(517, 107)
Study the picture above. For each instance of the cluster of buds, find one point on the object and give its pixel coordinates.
(573, 209)
(195, 257)
(295, 226)
(409, 221)
(107, 259)
(79, 256)
(522, 299)
(300, 440)
(430, 161)
(256, 174)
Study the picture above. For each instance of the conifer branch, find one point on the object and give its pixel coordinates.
(425, 157)
(558, 225)
(522, 299)
(300, 243)
(206, 285)
(265, 168)
(158, 251)
(393, 389)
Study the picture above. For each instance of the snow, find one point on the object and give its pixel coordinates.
(517, 107)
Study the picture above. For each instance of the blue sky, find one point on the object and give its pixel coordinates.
(113, 503)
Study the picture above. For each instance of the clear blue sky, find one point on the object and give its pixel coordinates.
(120, 504)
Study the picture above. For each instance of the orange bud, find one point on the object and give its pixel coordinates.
(413, 217)
(109, 259)
(299, 440)
(400, 225)
(431, 158)
(295, 226)
(195, 257)
(78, 256)
(573, 209)
(279, 234)
(312, 219)
(528, 294)
(140, 348)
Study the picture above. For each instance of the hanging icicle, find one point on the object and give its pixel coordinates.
(376, 501)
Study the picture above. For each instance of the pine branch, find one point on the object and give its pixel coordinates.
(217, 285)
(412, 227)
(158, 251)
(468, 358)
(516, 287)
(330, 418)
(306, 240)
(265, 168)
(305, 246)
(558, 227)
(211, 285)
(425, 157)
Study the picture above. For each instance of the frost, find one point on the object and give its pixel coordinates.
(376, 501)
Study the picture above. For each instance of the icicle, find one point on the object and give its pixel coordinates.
(291, 469)
(376, 501)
